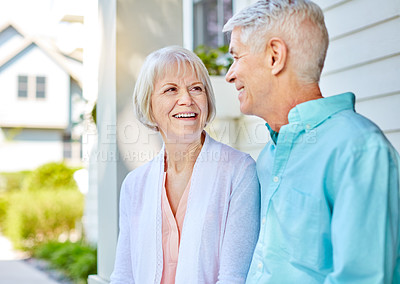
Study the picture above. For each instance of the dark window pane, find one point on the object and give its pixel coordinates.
(40, 87)
(209, 16)
(227, 15)
(22, 86)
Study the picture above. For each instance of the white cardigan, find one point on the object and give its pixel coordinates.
(220, 228)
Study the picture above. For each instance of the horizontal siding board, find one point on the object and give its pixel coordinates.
(364, 47)
(330, 4)
(371, 80)
(385, 111)
(394, 138)
(359, 14)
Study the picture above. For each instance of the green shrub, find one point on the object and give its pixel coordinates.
(12, 181)
(216, 60)
(77, 260)
(4, 203)
(37, 216)
(55, 176)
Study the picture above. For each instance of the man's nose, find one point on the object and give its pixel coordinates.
(230, 75)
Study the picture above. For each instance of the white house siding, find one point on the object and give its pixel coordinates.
(30, 112)
(23, 149)
(364, 58)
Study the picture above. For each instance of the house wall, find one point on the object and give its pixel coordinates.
(364, 58)
(26, 149)
(31, 112)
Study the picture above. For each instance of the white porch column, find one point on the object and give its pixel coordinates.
(129, 31)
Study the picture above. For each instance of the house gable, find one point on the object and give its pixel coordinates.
(49, 112)
(10, 40)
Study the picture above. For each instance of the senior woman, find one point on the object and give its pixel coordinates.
(191, 215)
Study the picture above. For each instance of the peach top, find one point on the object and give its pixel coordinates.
(171, 233)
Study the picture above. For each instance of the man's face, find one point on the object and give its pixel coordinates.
(250, 75)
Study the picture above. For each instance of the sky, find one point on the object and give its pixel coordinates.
(41, 18)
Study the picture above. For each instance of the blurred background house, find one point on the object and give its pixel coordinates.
(40, 102)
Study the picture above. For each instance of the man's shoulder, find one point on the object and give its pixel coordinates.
(351, 129)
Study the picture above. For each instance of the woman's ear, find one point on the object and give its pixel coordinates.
(277, 55)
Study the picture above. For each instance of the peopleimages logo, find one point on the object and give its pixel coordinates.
(145, 156)
(136, 143)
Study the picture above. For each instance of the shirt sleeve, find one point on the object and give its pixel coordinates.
(242, 226)
(122, 273)
(365, 217)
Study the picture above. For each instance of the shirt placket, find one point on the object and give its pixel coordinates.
(282, 152)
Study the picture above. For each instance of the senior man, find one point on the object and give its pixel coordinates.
(329, 177)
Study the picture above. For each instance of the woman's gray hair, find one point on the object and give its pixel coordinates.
(156, 66)
(299, 23)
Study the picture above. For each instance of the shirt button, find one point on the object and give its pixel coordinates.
(276, 179)
(308, 126)
(264, 220)
(260, 265)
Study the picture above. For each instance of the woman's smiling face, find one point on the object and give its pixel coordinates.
(179, 106)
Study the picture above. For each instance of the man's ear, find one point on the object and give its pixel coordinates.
(277, 55)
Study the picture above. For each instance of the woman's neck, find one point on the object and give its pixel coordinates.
(181, 156)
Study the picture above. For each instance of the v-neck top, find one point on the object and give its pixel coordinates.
(221, 223)
(171, 232)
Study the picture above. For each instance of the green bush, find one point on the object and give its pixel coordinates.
(12, 181)
(216, 60)
(37, 216)
(4, 203)
(54, 176)
(76, 260)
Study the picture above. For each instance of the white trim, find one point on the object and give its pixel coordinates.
(187, 9)
(106, 117)
(95, 279)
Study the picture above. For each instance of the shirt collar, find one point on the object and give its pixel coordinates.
(312, 113)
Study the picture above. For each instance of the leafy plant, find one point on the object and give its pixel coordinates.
(51, 176)
(77, 260)
(216, 60)
(4, 203)
(36, 216)
(12, 181)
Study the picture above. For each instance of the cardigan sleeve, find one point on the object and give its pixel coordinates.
(242, 226)
(122, 273)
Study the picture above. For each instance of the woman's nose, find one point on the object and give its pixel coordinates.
(185, 98)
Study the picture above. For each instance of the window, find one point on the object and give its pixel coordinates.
(32, 87)
(22, 86)
(40, 87)
(209, 16)
(67, 149)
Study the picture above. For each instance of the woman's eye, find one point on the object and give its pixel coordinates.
(196, 89)
(169, 90)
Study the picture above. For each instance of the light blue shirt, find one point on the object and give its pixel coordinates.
(329, 199)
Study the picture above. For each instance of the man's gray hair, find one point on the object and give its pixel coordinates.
(299, 23)
(156, 66)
